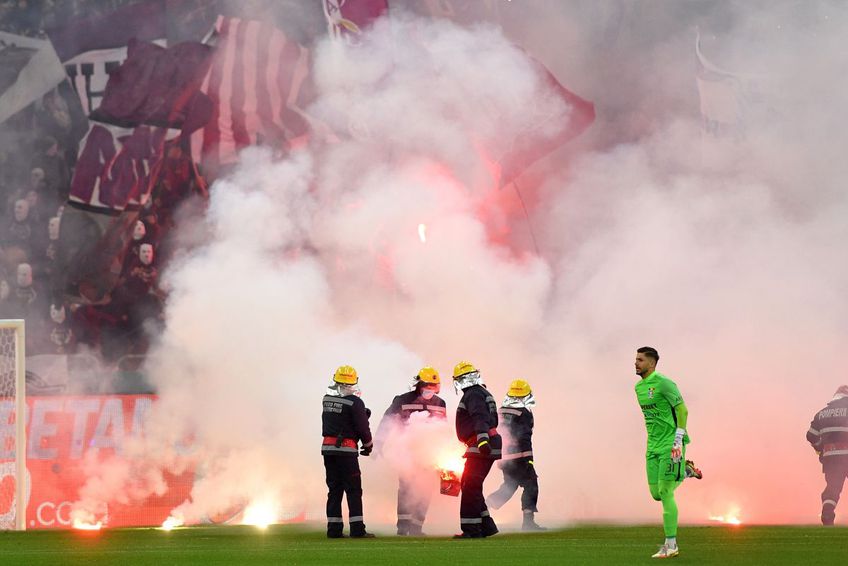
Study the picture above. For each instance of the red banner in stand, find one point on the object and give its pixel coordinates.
(61, 432)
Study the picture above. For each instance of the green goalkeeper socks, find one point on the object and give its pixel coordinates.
(666, 492)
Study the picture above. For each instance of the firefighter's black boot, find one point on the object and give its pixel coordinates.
(828, 515)
(529, 523)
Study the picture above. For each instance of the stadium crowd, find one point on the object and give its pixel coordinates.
(102, 315)
(36, 165)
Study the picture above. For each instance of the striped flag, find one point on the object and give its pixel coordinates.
(256, 85)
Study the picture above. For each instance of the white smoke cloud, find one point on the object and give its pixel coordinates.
(723, 254)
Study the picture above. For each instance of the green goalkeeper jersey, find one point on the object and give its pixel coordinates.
(658, 395)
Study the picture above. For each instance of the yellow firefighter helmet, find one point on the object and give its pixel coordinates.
(346, 375)
(429, 375)
(462, 368)
(519, 388)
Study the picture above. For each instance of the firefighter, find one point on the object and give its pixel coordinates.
(517, 464)
(413, 501)
(829, 436)
(476, 426)
(344, 424)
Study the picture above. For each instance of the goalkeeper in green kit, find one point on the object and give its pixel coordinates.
(666, 463)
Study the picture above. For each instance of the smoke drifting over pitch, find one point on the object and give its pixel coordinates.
(724, 254)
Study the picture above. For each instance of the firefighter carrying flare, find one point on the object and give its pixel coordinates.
(517, 464)
(413, 495)
(476, 426)
(344, 424)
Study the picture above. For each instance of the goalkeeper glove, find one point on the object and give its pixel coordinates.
(677, 447)
(484, 448)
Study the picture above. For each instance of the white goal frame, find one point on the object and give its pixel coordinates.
(17, 326)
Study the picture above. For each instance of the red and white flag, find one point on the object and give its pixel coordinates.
(256, 85)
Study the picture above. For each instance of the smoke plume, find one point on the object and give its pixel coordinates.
(721, 252)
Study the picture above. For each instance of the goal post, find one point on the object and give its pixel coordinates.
(13, 495)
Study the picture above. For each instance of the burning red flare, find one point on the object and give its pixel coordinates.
(729, 518)
(450, 467)
(85, 526)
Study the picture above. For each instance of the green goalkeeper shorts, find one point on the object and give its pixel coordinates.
(661, 468)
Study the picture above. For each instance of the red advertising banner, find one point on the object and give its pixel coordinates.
(61, 432)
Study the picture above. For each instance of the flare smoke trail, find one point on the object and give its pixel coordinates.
(722, 253)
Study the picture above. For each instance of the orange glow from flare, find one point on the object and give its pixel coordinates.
(422, 233)
(260, 514)
(729, 518)
(85, 526)
(171, 523)
(451, 463)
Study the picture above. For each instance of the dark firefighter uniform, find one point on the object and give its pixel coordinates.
(413, 502)
(344, 424)
(517, 461)
(476, 426)
(829, 436)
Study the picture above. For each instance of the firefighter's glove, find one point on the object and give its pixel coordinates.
(366, 450)
(367, 412)
(484, 447)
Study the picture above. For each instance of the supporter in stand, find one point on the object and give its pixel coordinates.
(18, 229)
(59, 337)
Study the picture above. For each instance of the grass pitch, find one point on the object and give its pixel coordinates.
(209, 546)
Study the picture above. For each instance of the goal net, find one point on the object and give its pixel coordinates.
(13, 480)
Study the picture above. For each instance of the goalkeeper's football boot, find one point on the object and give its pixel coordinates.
(666, 552)
(692, 471)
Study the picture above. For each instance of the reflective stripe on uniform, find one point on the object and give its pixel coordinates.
(814, 432)
(490, 398)
(483, 435)
(330, 398)
(368, 445)
(475, 450)
(472, 521)
(436, 409)
(339, 449)
(415, 521)
(516, 455)
(357, 519)
(404, 517)
(515, 412)
(413, 407)
(484, 514)
(829, 502)
(835, 453)
(335, 520)
(834, 429)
